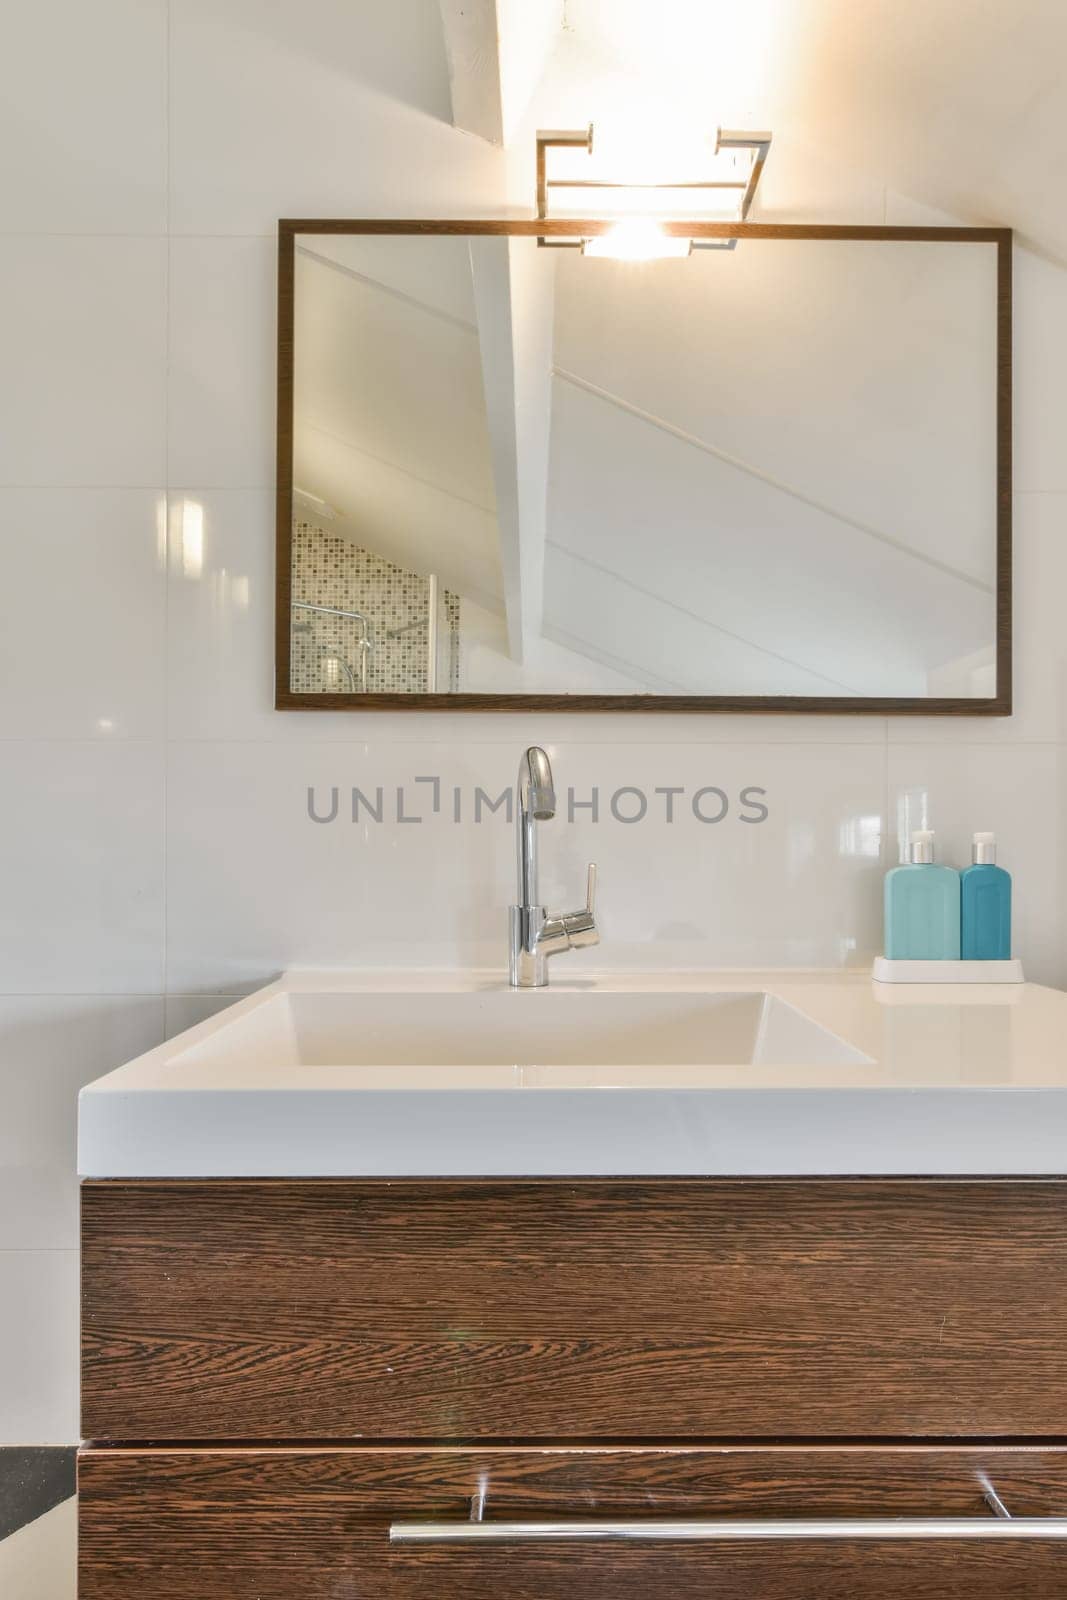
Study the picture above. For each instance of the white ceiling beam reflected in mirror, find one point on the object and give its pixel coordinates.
(515, 309)
(391, 345)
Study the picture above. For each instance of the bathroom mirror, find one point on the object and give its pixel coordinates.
(771, 472)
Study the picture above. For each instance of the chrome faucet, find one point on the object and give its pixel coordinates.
(534, 935)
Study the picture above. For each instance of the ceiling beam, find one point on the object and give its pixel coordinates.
(472, 48)
(497, 51)
(513, 294)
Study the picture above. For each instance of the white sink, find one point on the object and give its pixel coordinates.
(427, 1074)
(430, 1039)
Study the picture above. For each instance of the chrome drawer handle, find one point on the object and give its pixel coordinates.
(998, 1527)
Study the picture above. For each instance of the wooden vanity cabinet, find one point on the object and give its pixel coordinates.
(276, 1370)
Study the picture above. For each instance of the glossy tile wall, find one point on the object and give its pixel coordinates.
(156, 848)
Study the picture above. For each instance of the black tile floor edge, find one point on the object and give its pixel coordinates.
(33, 1479)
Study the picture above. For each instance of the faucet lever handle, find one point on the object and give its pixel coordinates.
(590, 889)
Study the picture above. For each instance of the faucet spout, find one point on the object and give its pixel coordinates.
(537, 791)
(535, 802)
(534, 935)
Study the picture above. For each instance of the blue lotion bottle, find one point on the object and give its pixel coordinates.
(922, 906)
(985, 905)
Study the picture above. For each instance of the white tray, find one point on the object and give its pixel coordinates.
(885, 971)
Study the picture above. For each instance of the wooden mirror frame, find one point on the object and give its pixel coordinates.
(999, 705)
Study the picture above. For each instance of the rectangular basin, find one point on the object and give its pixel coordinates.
(428, 1040)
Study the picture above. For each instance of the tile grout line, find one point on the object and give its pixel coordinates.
(154, 233)
(39, 1249)
(449, 739)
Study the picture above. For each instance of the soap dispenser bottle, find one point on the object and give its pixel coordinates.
(985, 905)
(922, 906)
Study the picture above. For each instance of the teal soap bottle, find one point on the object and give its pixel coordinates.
(922, 906)
(985, 905)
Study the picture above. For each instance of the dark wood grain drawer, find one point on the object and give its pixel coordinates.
(274, 1524)
(459, 1309)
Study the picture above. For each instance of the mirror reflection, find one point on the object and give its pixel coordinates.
(768, 471)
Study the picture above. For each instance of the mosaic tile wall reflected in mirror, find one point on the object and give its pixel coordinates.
(385, 650)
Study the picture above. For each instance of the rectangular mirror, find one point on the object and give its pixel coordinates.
(772, 473)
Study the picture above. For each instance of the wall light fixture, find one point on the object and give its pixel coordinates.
(591, 178)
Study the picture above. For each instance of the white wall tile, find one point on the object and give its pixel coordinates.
(1040, 362)
(1040, 643)
(220, 625)
(517, 729)
(82, 328)
(39, 1347)
(220, 620)
(83, 117)
(904, 211)
(186, 1010)
(221, 378)
(286, 891)
(802, 888)
(802, 184)
(1014, 791)
(49, 1047)
(82, 609)
(81, 862)
(315, 111)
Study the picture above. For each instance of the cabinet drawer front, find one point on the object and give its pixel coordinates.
(549, 1309)
(255, 1524)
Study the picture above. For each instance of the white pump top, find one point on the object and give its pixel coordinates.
(921, 847)
(984, 851)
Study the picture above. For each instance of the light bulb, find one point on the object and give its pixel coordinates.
(636, 239)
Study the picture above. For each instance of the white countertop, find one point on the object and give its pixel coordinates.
(949, 1080)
